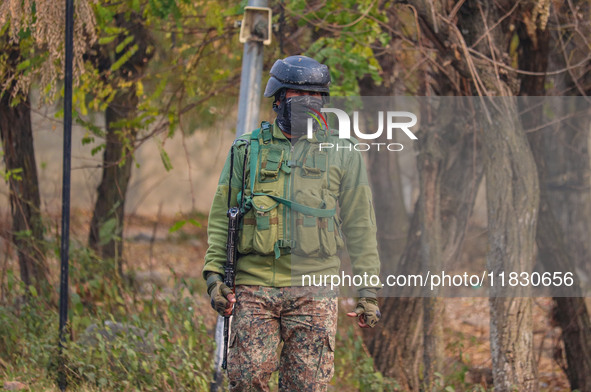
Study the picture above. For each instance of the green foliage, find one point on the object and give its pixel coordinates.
(165, 158)
(354, 366)
(144, 355)
(31, 46)
(108, 231)
(188, 40)
(28, 336)
(13, 70)
(165, 53)
(14, 174)
(120, 342)
(345, 34)
(179, 224)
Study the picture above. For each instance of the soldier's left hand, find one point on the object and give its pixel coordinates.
(367, 312)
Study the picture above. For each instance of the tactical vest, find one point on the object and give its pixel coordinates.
(289, 206)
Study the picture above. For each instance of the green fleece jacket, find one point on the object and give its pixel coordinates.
(279, 245)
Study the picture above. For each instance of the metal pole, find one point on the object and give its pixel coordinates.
(248, 118)
(65, 235)
(250, 83)
(218, 375)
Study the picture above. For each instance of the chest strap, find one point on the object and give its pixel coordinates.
(304, 209)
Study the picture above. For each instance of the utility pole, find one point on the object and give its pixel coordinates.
(65, 237)
(255, 32)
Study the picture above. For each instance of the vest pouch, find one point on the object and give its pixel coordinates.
(328, 230)
(245, 241)
(271, 161)
(265, 225)
(314, 165)
(307, 235)
(328, 242)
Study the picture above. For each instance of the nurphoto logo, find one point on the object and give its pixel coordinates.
(390, 118)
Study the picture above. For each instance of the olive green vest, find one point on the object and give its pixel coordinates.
(288, 207)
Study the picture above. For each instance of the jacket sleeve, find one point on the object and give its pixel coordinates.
(217, 226)
(359, 222)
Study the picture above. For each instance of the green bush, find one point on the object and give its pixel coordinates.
(145, 356)
(28, 341)
(119, 342)
(354, 367)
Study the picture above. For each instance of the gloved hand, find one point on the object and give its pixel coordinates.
(222, 297)
(367, 311)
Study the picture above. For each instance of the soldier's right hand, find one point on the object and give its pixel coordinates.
(222, 298)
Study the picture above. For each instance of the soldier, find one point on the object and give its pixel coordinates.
(291, 228)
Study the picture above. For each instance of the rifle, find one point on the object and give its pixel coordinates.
(234, 216)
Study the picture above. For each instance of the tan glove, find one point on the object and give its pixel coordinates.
(367, 311)
(222, 297)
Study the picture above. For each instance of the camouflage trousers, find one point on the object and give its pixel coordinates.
(303, 318)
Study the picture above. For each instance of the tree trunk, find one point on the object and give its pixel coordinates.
(391, 217)
(19, 158)
(573, 318)
(393, 343)
(429, 164)
(562, 150)
(106, 227)
(512, 188)
(397, 343)
(512, 203)
(397, 346)
(570, 313)
(512, 194)
(568, 217)
(512, 185)
(450, 174)
(568, 180)
(555, 255)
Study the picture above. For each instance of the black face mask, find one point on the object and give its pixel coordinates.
(293, 113)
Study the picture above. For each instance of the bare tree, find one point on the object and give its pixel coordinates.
(473, 37)
(562, 158)
(450, 174)
(30, 43)
(25, 203)
(106, 227)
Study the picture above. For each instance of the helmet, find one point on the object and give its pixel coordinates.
(298, 73)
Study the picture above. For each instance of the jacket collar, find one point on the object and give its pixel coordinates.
(278, 134)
